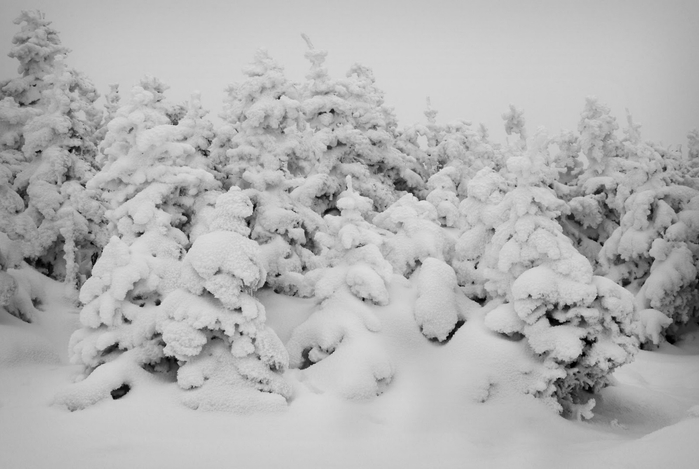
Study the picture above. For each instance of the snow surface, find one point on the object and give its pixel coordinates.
(455, 404)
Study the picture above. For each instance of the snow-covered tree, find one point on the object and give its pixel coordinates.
(456, 153)
(150, 176)
(453, 151)
(568, 157)
(150, 190)
(351, 252)
(213, 325)
(693, 146)
(655, 252)
(515, 124)
(412, 140)
(37, 47)
(338, 347)
(262, 148)
(482, 214)
(112, 103)
(595, 197)
(443, 187)
(353, 135)
(581, 326)
(415, 235)
(48, 121)
(262, 131)
(15, 297)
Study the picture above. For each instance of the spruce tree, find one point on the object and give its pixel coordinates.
(150, 186)
(48, 121)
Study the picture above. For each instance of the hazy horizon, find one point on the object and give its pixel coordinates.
(471, 58)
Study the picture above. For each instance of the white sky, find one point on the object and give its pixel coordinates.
(471, 58)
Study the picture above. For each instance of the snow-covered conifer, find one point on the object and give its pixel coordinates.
(415, 140)
(457, 148)
(442, 188)
(37, 47)
(337, 346)
(353, 135)
(580, 325)
(654, 252)
(261, 148)
(594, 196)
(150, 191)
(515, 124)
(481, 213)
(213, 326)
(150, 174)
(415, 234)
(693, 145)
(263, 123)
(112, 103)
(15, 297)
(49, 122)
(351, 250)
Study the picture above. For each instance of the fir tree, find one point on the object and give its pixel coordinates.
(49, 146)
(337, 347)
(213, 325)
(262, 149)
(353, 135)
(150, 189)
(580, 325)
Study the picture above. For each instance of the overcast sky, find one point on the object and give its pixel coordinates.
(471, 58)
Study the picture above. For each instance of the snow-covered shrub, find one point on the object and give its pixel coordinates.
(581, 326)
(17, 292)
(338, 349)
(215, 328)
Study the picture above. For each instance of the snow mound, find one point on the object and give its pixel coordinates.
(339, 350)
(436, 310)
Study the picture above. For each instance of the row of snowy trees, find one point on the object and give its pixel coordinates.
(588, 242)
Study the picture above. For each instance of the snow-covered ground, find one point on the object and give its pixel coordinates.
(450, 405)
